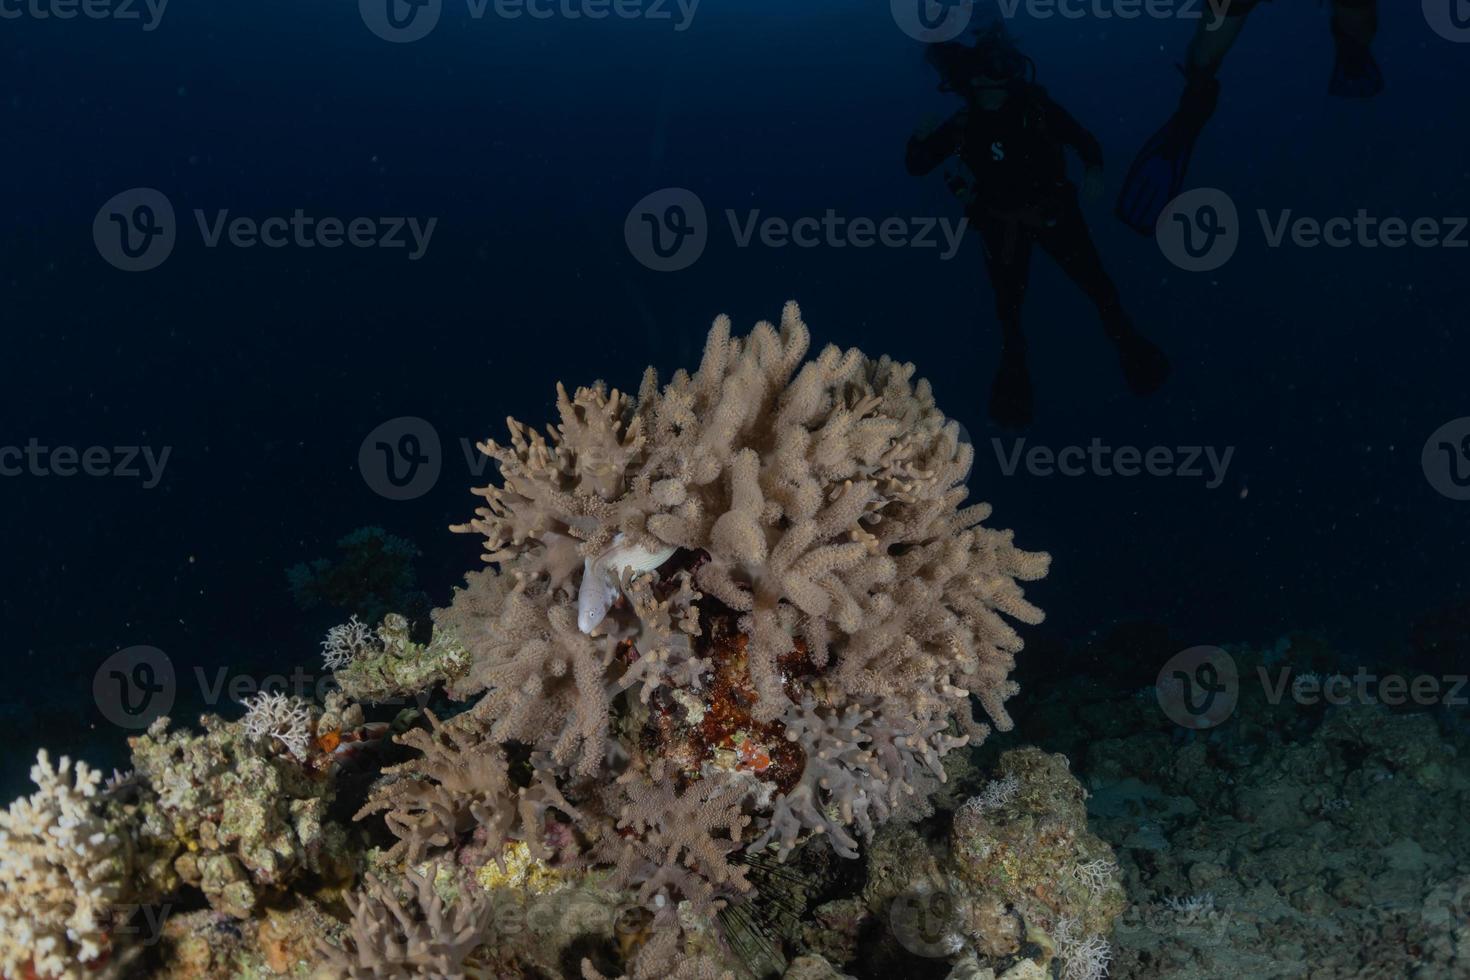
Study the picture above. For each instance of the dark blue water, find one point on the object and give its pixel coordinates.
(261, 370)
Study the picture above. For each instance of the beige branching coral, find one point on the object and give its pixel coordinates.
(418, 936)
(61, 871)
(676, 844)
(462, 782)
(742, 608)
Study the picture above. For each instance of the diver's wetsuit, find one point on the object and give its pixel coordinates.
(1021, 195)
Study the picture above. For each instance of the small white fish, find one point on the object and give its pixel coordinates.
(601, 578)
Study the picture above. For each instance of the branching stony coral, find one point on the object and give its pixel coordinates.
(62, 867)
(753, 596)
(346, 642)
(1082, 957)
(1096, 874)
(279, 717)
(419, 936)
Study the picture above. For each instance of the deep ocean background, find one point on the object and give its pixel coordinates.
(264, 369)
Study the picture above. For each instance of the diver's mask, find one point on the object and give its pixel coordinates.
(972, 70)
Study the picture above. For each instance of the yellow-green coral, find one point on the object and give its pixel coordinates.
(389, 664)
(522, 872)
(229, 815)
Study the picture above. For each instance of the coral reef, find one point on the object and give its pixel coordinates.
(63, 863)
(731, 635)
(242, 808)
(738, 611)
(385, 664)
(390, 937)
(710, 714)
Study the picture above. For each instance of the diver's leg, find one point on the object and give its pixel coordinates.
(1216, 34)
(1069, 243)
(1357, 19)
(1008, 260)
(1355, 74)
(1158, 172)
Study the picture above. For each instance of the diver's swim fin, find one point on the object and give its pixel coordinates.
(1145, 366)
(1157, 174)
(1356, 74)
(1011, 399)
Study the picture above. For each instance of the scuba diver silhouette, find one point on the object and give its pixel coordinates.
(1158, 172)
(1010, 142)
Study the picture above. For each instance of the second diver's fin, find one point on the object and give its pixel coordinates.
(1355, 74)
(1157, 174)
(1145, 366)
(1011, 398)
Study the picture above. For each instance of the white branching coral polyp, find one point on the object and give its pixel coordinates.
(347, 642)
(808, 605)
(61, 868)
(281, 718)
